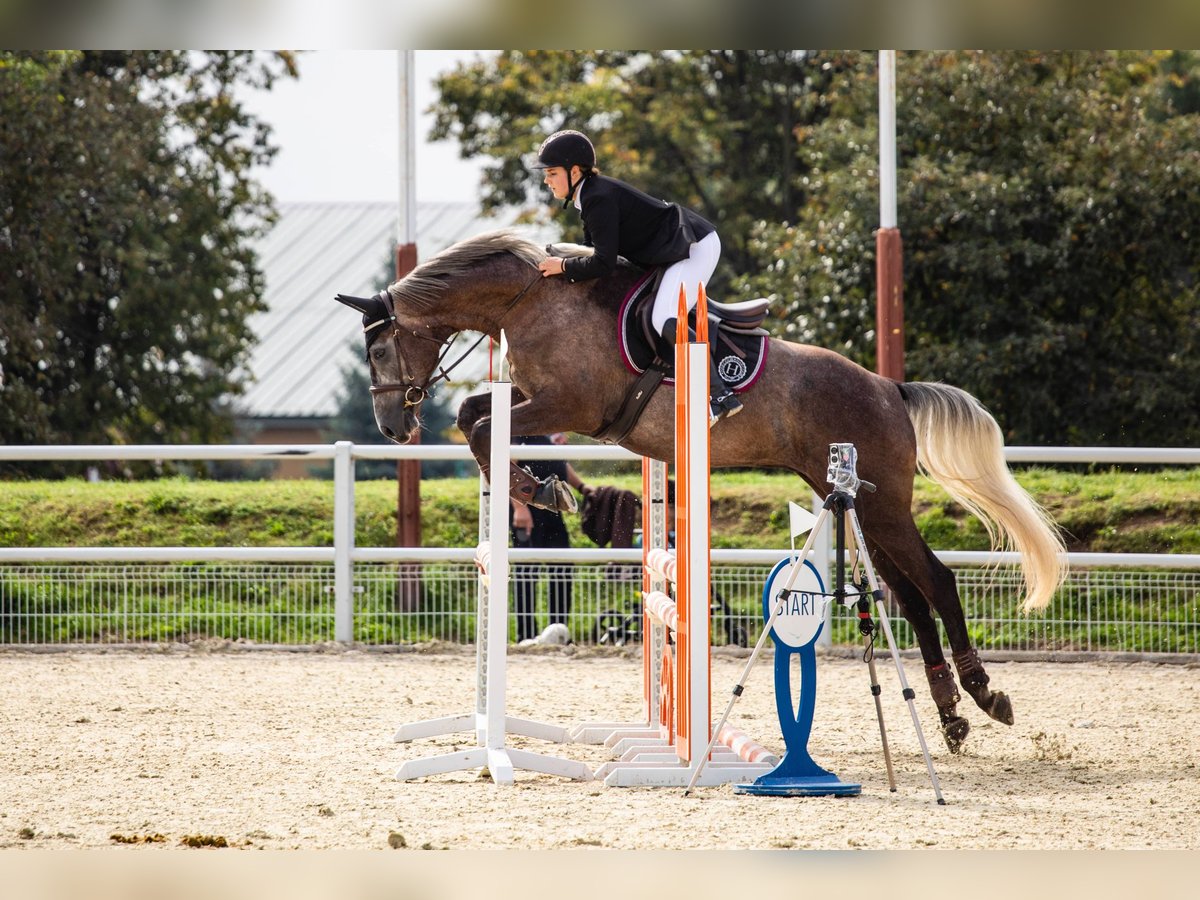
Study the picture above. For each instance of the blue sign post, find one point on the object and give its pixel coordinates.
(795, 632)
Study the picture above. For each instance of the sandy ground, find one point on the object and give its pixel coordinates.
(270, 749)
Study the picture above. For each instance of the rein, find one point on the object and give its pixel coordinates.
(414, 393)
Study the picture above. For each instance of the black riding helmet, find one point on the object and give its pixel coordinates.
(566, 149)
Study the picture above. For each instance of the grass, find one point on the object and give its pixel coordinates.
(1111, 511)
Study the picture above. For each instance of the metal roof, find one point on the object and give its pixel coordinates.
(317, 250)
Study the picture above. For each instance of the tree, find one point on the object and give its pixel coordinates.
(126, 205)
(1051, 238)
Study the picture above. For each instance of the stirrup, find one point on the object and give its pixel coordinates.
(723, 407)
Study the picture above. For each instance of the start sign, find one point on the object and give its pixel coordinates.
(803, 613)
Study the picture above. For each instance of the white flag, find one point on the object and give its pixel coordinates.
(802, 520)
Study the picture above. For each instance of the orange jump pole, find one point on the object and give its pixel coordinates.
(673, 757)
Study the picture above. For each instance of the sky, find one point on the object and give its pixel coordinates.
(337, 128)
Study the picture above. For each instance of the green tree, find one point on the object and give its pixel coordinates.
(126, 276)
(1051, 229)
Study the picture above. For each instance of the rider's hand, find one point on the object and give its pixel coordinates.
(552, 265)
(522, 517)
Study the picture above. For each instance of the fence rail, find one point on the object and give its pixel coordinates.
(1143, 602)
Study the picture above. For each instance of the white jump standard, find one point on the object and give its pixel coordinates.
(488, 721)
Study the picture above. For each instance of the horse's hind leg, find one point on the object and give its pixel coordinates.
(937, 584)
(941, 680)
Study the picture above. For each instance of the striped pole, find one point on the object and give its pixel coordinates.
(692, 712)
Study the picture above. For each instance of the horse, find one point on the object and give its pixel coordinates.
(567, 376)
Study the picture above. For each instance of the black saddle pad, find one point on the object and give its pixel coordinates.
(740, 368)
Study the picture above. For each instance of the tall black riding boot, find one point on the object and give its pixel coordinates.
(668, 331)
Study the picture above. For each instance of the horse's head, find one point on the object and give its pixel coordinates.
(472, 286)
(402, 353)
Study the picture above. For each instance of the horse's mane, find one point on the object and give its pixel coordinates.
(424, 285)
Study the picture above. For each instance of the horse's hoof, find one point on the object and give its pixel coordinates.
(554, 495)
(955, 731)
(1001, 708)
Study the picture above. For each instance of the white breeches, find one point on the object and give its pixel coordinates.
(691, 273)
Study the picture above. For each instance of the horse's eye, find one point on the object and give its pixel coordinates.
(378, 352)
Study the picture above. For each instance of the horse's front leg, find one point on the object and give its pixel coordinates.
(475, 422)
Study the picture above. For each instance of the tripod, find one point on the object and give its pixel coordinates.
(843, 475)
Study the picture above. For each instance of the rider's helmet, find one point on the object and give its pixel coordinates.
(566, 149)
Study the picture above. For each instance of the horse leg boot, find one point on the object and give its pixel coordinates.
(945, 696)
(525, 488)
(550, 494)
(975, 682)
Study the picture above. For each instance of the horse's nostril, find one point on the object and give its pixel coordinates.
(388, 433)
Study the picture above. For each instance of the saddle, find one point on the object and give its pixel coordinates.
(737, 341)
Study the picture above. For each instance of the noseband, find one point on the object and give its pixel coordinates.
(414, 393)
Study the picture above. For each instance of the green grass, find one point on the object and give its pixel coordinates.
(1151, 512)
(1107, 511)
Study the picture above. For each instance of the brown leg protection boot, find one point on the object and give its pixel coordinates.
(975, 682)
(945, 696)
(549, 494)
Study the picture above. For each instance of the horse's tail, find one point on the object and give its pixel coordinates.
(959, 446)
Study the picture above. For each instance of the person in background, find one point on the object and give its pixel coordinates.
(533, 527)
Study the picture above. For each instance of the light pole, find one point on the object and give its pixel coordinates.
(889, 268)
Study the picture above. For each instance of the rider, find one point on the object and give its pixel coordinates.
(618, 219)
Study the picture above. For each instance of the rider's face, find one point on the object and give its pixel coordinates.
(556, 179)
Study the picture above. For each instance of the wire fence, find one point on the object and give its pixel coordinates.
(1125, 610)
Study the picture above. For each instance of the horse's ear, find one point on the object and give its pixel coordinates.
(363, 304)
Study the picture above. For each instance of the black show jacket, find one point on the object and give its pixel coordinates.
(618, 219)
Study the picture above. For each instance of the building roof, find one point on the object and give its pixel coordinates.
(318, 250)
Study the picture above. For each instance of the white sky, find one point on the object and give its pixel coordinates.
(337, 129)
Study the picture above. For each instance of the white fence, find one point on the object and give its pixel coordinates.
(250, 591)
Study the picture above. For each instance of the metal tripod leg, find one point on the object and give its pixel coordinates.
(909, 696)
(875, 692)
(762, 639)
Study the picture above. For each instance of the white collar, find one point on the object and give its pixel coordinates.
(578, 194)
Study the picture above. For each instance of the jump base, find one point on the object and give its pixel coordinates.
(787, 786)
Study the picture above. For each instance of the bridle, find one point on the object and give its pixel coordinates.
(414, 393)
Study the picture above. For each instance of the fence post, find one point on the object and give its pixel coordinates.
(343, 542)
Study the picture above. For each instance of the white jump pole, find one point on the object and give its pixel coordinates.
(489, 721)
